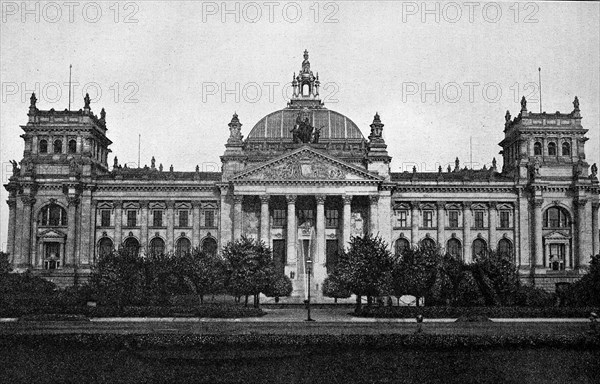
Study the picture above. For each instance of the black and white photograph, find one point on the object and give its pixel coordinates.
(299, 191)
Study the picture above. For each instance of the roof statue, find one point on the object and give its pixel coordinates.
(576, 104)
(523, 104)
(86, 101)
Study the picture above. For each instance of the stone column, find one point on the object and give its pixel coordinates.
(537, 238)
(441, 223)
(374, 214)
(85, 236)
(17, 256)
(320, 271)
(73, 201)
(523, 231)
(225, 227)
(195, 224)
(292, 231)
(492, 216)
(144, 226)
(595, 235)
(25, 259)
(468, 257)
(12, 222)
(414, 223)
(33, 244)
(584, 235)
(238, 218)
(170, 226)
(347, 217)
(385, 217)
(118, 206)
(264, 219)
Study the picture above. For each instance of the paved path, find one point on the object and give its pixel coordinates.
(291, 321)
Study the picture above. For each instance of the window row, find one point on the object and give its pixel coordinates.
(479, 219)
(332, 217)
(157, 218)
(552, 149)
(156, 246)
(454, 247)
(57, 146)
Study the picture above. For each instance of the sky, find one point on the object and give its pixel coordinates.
(440, 74)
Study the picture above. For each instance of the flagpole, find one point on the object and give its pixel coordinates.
(70, 66)
(540, 85)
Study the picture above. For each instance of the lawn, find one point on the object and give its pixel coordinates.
(298, 364)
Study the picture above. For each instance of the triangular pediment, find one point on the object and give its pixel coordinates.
(306, 164)
(556, 236)
(52, 234)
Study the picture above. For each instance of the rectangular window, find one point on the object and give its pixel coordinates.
(131, 218)
(402, 218)
(278, 217)
(157, 219)
(279, 255)
(504, 219)
(479, 219)
(209, 218)
(428, 219)
(332, 218)
(183, 218)
(305, 216)
(105, 218)
(453, 219)
(332, 250)
(557, 257)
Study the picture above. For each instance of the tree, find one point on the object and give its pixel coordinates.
(366, 268)
(4, 263)
(204, 272)
(497, 277)
(415, 273)
(586, 291)
(249, 268)
(333, 287)
(280, 286)
(118, 279)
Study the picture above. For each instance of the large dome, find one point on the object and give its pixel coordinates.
(335, 127)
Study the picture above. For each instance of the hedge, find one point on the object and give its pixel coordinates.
(384, 341)
(490, 312)
(207, 311)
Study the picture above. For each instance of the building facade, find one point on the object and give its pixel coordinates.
(304, 180)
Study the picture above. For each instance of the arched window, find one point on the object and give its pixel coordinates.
(105, 247)
(183, 246)
(566, 149)
(209, 246)
(57, 146)
(454, 248)
(131, 246)
(551, 149)
(556, 217)
(479, 248)
(504, 247)
(72, 146)
(401, 245)
(43, 146)
(537, 149)
(157, 246)
(427, 243)
(53, 215)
